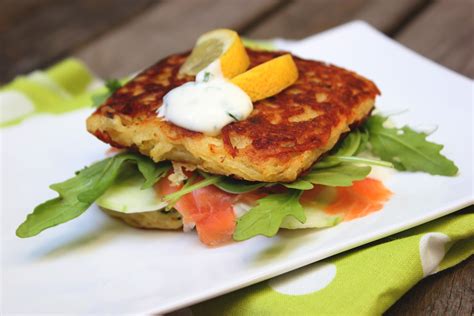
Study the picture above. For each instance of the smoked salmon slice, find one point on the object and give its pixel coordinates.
(360, 199)
(210, 208)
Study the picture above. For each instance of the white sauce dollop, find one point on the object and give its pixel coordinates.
(206, 105)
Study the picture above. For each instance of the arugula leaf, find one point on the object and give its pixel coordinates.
(364, 140)
(153, 172)
(407, 149)
(299, 185)
(348, 147)
(79, 192)
(366, 161)
(265, 218)
(112, 85)
(231, 185)
(188, 188)
(350, 144)
(235, 186)
(338, 176)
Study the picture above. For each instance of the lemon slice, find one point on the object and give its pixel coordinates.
(222, 44)
(269, 78)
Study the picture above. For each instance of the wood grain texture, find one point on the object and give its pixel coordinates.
(444, 32)
(303, 18)
(170, 27)
(12, 10)
(37, 33)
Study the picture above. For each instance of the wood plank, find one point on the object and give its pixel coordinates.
(444, 33)
(175, 27)
(37, 33)
(19, 10)
(168, 28)
(303, 18)
(449, 292)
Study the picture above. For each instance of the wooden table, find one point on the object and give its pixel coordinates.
(117, 37)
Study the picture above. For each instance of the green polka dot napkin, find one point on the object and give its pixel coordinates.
(63, 87)
(364, 281)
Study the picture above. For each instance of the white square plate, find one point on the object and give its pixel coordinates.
(98, 265)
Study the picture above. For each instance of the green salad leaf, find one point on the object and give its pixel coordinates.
(79, 192)
(364, 161)
(364, 141)
(112, 85)
(234, 186)
(341, 175)
(300, 184)
(265, 218)
(231, 185)
(346, 148)
(339, 168)
(338, 176)
(190, 187)
(407, 149)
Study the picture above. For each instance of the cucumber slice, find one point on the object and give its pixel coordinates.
(126, 196)
(315, 218)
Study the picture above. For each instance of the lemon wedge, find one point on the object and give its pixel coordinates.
(269, 78)
(223, 45)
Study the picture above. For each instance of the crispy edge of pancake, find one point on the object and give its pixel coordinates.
(208, 153)
(171, 220)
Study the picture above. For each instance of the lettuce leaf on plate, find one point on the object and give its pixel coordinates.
(407, 149)
(79, 192)
(266, 218)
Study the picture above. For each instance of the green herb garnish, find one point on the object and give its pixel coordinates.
(111, 85)
(233, 116)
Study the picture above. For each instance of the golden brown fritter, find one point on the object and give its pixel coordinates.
(284, 135)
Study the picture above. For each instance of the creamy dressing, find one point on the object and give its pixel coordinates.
(207, 104)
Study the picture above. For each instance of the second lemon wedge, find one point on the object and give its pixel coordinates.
(223, 45)
(269, 78)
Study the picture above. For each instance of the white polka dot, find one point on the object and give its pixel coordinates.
(305, 280)
(43, 79)
(432, 251)
(14, 105)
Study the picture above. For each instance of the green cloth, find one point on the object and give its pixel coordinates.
(61, 88)
(364, 281)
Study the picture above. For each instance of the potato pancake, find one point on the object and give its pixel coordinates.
(283, 136)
